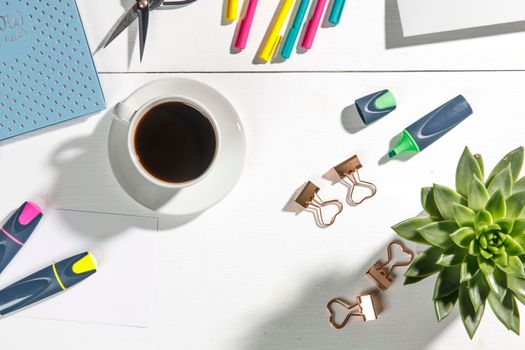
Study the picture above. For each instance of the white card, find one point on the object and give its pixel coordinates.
(432, 16)
(118, 293)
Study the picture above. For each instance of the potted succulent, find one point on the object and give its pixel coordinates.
(476, 241)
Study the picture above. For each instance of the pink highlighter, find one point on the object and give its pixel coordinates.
(313, 24)
(16, 231)
(245, 26)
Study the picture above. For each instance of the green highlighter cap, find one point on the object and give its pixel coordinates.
(375, 106)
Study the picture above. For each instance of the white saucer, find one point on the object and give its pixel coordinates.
(212, 188)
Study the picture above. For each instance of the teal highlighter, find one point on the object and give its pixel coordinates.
(291, 38)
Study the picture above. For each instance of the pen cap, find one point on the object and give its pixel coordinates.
(76, 269)
(23, 222)
(375, 106)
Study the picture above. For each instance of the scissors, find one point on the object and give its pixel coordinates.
(141, 11)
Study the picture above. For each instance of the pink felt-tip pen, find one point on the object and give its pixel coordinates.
(245, 25)
(313, 24)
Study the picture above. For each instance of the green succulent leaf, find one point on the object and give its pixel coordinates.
(428, 202)
(518, 228)
(463, 215)
(479, 159)
(473, 248)
(445, 198)
(514, 267)
(478, 290)
(485, 254)
(515, 204)
(520, 239)
(506, 225)
(519, 185)
(513, 247)
(438, 233)
(445, 305)
(487, 266)
(514, 159)
(412, 280)
(446, 282)
(501, 259)
(425, 264)
(466, 169)
(483, 218)
(470, 317)
(463, 236)
(502, 181)
(497, 282)
(478, 195)
(517, 286)
(469, 268)
(506, 311)
(452, 256)
(496, 206)
(407, 229)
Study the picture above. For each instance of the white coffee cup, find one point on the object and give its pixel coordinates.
(131, 117)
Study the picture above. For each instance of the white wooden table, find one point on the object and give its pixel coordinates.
(247, 274)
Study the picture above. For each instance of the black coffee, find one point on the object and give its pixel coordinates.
(175, 142)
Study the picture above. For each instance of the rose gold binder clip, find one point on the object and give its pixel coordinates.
(308, 198)
(348, 170)
(380, 274)
(364, 308)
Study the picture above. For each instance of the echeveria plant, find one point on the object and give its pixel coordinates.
(476, 239)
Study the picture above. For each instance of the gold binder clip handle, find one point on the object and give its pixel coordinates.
(364, 308)
(349, 170)
(389, 257)
(398, 264)
(380, 274)
(309, 197)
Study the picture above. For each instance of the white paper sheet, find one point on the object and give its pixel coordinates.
(119, 293)
(431, 16)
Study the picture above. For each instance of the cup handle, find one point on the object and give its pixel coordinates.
(123, 112)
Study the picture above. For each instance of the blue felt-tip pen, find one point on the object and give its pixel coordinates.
(293, 33)
(47, 282)
(16, 231)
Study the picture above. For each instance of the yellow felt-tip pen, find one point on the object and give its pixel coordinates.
(274, 37)
(231, 10)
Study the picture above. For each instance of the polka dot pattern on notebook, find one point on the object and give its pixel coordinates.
(47, 74)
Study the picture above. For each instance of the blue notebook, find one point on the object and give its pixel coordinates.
(47, 74)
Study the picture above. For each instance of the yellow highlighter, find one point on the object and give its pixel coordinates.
(274, 37)
(231, 10)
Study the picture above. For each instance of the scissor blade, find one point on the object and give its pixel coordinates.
(125, 21)
(143, 29)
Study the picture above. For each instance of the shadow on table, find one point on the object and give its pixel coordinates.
(84, 172)
(351, 120)
(395, 39)
(408, 316)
